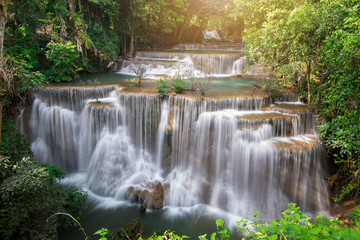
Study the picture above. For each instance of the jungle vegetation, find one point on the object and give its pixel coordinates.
(311, 45)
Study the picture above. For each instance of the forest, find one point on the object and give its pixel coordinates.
(312, 46)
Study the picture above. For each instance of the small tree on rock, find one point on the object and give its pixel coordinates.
(140, 71)
(204, 84)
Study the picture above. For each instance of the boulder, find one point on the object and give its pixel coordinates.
(151, 193)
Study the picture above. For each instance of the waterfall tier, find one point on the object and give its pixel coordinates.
(236, 154)
(190, 60)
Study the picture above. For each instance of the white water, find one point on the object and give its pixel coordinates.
(211, 34)
(198, 60)
(231, 154)
(162, 131)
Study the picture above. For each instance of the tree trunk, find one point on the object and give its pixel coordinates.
(3, 16)
(196, 35)
(308, 80)
(1, 109)
(131, 42)
(2, 26)
(124, 47)
(71, 6)
(180, 35)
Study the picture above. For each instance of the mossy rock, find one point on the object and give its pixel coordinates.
(132, 231)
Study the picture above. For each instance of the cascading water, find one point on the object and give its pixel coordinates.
(198, 60)
(211, 34)
(237, 155)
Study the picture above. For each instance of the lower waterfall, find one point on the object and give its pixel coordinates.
(234, 155)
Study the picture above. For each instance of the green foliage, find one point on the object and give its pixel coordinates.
(75, 202)
(131, 84)
(178, 84)
(65, 61)
(166, 235)
(27, 196)
(354, 215)
(163, 87)
(294, 225)
(269, 86)
(102, 233)
(13, 145)
(339, 96)
(54, 171)
(17, 79)
(29, 192)
(221, 234)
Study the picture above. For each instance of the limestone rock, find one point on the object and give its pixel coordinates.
(150, 193)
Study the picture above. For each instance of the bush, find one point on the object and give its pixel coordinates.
(294, 225)
(179, 84)
(203, 84)
(13, 145)
(65, 60)
(162, 86)
(17, 79)
(27, 197)
(29, 192)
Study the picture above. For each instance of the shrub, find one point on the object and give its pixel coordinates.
(29, 192)
(179, 84)
(140, 72)
(65, 60)
(13, 145)
(203, 84)
(162, 86)
(27, 197)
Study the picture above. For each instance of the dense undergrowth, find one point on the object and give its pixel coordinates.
(30, 193)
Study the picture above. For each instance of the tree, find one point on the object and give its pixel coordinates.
(203, 84)
(5, 81)
(29, 192)
(3, 19)
(140, 71)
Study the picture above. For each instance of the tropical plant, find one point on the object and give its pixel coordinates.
(163, 87)
(29, 192)
(66, 62)
(178, 84)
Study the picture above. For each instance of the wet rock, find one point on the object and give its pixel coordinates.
(142, 208)
(151, 194)
(130, 231)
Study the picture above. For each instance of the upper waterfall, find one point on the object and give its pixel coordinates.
(199, 60)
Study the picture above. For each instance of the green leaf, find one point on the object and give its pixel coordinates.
(315, 230)
(219, 223)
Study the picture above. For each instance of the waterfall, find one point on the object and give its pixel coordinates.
(162, 130)
(209, 46)
(238, 155)
(211, 34)
(200, 59)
